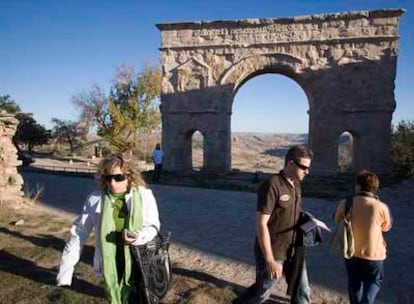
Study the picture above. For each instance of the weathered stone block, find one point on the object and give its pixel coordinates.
(10, 180)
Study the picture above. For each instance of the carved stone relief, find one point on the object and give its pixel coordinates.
(191, 75)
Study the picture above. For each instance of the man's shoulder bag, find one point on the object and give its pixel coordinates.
(154, 262)
(342, 240)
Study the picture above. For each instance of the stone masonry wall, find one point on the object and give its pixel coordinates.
(10, 180)
(345, 63)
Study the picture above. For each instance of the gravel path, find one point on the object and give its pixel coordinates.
(213, 232)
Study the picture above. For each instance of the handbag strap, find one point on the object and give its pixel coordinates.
(348, 206)
(350, 199)
(162, 237)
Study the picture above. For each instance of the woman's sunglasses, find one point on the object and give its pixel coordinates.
(117, 177)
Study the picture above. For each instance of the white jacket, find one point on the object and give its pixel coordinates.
(90, 219)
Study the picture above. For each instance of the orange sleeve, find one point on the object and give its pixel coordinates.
(387, 219)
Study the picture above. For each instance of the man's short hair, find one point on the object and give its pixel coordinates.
(298, 151)
(367, 181)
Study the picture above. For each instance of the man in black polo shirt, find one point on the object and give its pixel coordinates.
(278, 207)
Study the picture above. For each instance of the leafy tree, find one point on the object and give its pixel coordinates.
(29, 132)
(130, 109)
(68, 132)
(8, 105)
(403, 149)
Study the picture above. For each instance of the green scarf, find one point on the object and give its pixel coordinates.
(118, 293)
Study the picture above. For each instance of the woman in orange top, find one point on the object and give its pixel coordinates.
(370, 218)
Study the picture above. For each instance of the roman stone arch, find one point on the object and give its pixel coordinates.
(345, 63)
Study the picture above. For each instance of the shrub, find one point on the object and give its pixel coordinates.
(403, 149)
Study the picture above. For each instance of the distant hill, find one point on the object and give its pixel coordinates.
(262, 152)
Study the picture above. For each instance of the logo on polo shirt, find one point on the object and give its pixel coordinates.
(284, 197)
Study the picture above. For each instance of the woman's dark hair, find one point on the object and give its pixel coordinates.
(367, 181)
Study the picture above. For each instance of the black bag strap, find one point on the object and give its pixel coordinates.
(164, 239)
(348, 206)
(158, 231)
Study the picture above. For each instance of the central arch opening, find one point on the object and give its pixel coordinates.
(269, 115)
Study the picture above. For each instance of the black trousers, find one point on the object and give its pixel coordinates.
(157, 173)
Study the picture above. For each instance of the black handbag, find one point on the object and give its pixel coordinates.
(154, 263)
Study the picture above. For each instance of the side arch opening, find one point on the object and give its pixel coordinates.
(346, 154)
(197, 151)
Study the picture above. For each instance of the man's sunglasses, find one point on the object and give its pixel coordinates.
(117, 177)
(299, 165)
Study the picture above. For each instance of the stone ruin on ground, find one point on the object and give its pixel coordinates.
(10, 180)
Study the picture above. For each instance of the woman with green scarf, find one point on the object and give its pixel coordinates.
(122, 213)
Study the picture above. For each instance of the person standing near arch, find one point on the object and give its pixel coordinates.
(157, 158)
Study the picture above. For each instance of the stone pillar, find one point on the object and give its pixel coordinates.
(322, 141)
(218, 146)
(205, 110)
(174, 143)
(10, 180)
(373, 144)
(178, 129)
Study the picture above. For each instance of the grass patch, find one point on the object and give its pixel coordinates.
(30, 254)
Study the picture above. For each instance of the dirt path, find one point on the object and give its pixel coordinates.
(213, 234)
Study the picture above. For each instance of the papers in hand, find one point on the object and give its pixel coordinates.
(313, 223)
